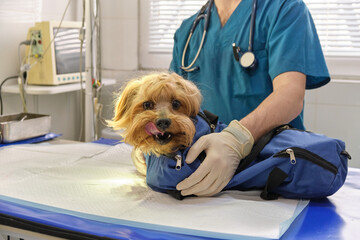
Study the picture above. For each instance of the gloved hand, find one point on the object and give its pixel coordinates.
(139, 160)
(224, 150)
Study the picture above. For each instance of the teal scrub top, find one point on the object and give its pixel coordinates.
(285, 39)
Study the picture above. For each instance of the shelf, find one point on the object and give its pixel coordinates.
(49, 90)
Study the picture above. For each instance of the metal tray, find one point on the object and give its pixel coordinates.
(22, 126)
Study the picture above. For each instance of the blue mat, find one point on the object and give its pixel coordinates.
(46, 137)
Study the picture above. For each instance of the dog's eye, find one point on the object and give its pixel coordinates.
(148, 105)
(176, 104)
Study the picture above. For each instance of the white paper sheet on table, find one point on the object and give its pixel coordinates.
(100, 182)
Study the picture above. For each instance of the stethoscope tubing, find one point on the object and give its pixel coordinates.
(252, 25)
(188, 68)
(201, 15)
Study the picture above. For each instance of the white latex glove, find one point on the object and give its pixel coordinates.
(224, 150)
(139, 161)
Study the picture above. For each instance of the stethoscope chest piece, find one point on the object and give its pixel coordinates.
(248, 60)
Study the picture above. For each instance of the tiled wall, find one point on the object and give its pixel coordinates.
(334, 110)
(119, 41)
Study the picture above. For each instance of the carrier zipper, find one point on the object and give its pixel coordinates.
(294, 152)
(292, 155)
(178, 159)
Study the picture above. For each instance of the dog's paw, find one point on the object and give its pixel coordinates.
(139, 161)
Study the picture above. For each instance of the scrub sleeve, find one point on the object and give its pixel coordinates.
(294, 45)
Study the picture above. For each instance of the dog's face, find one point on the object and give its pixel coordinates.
(156, 113)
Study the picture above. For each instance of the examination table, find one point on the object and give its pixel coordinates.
(26, 216)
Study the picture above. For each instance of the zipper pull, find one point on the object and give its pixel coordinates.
(178, 159)
(280, 129)
(344, 152)
(292, 155)
(212, 127)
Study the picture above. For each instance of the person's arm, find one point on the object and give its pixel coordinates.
(283, 105)
(224, 150)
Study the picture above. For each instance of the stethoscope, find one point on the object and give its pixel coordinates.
(247, 59)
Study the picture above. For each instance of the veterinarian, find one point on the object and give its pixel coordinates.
(255, 94)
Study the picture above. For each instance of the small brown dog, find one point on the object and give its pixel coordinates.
(156, 113)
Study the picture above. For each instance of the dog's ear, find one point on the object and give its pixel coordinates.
(123, 106)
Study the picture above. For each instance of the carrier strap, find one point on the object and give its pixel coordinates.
(176, 194)
(209, 117)
(259, 145)
(212, 117)
(275, 179)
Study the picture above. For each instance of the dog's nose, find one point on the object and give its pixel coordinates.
(163, 123)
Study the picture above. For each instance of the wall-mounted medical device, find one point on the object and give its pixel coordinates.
(53, 55)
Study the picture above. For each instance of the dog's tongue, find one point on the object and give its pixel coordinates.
(151, 129)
